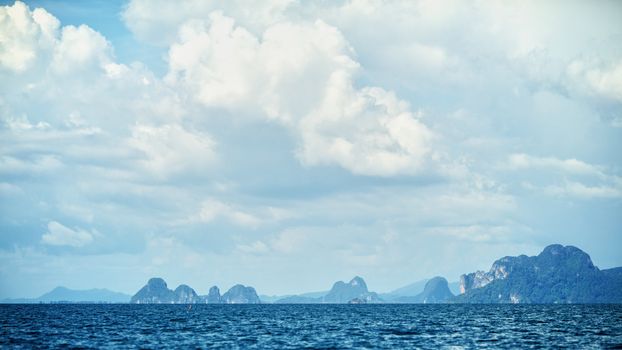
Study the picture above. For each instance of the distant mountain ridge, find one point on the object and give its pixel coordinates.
(403, 294)
(63, 294)
(409, 290)
(557, 275)
(273, 298)
(414, 289)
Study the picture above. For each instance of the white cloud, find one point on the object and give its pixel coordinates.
(170, 149)
(157, 21)
(369, 132)
(34, 41)
(8, 189)
(213, 209)
(597, 79)
(25, 35)
(23, 124)
(72, 107)
(231, 61)
(595, 181)
(79, 212)
(410, 39)
(571, 166)
(428, 44)
(60, 235)
(256, 247)
(484, 233)
(224, 65)
(86, 137)
(303, 76)
(164, 251)
(42, 164)
(579, 190)
(104, 93)
(291, 241)
(81, 48)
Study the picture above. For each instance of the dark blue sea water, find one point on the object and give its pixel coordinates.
(310, 326)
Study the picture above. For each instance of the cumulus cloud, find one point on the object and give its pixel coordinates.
(45, 164)
(8, 189)
(572, 166)
(508, 232)
(430, 45)
(157, 21)
(60, 235)
(114, 112)
(256, 247)
(368, 131)
(25, 35)
(170, 149)
(34, 44)
(213, 209)
(292, 241)
(301, 75)
(81, 47)
(78, 59)
(447, 37)
(217, 211)
(574, 178)
(580, 190)
(88, 136)
(232, 62)
(597, 79)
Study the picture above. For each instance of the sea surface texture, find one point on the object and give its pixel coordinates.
(310, 326)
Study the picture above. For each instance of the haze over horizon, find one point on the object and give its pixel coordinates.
(290, 144)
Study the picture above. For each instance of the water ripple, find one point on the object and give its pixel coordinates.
(311, 326)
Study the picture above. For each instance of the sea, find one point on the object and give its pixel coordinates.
(273, 326)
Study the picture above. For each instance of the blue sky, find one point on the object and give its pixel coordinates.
(289, 144)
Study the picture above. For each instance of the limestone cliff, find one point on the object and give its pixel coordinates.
(557, 275)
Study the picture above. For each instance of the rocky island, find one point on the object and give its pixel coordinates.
(356, 289)
(557, 275)
(240, 294)
(436, 291)
(353, 292)
(156, 291)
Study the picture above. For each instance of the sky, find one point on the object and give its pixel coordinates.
(289, 144)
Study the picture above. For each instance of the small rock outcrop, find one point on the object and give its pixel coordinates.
(240, 294)
(155, 292)
(435, 291)
(186, 295)
(353, 292)
(342, 292)
(213, 297)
